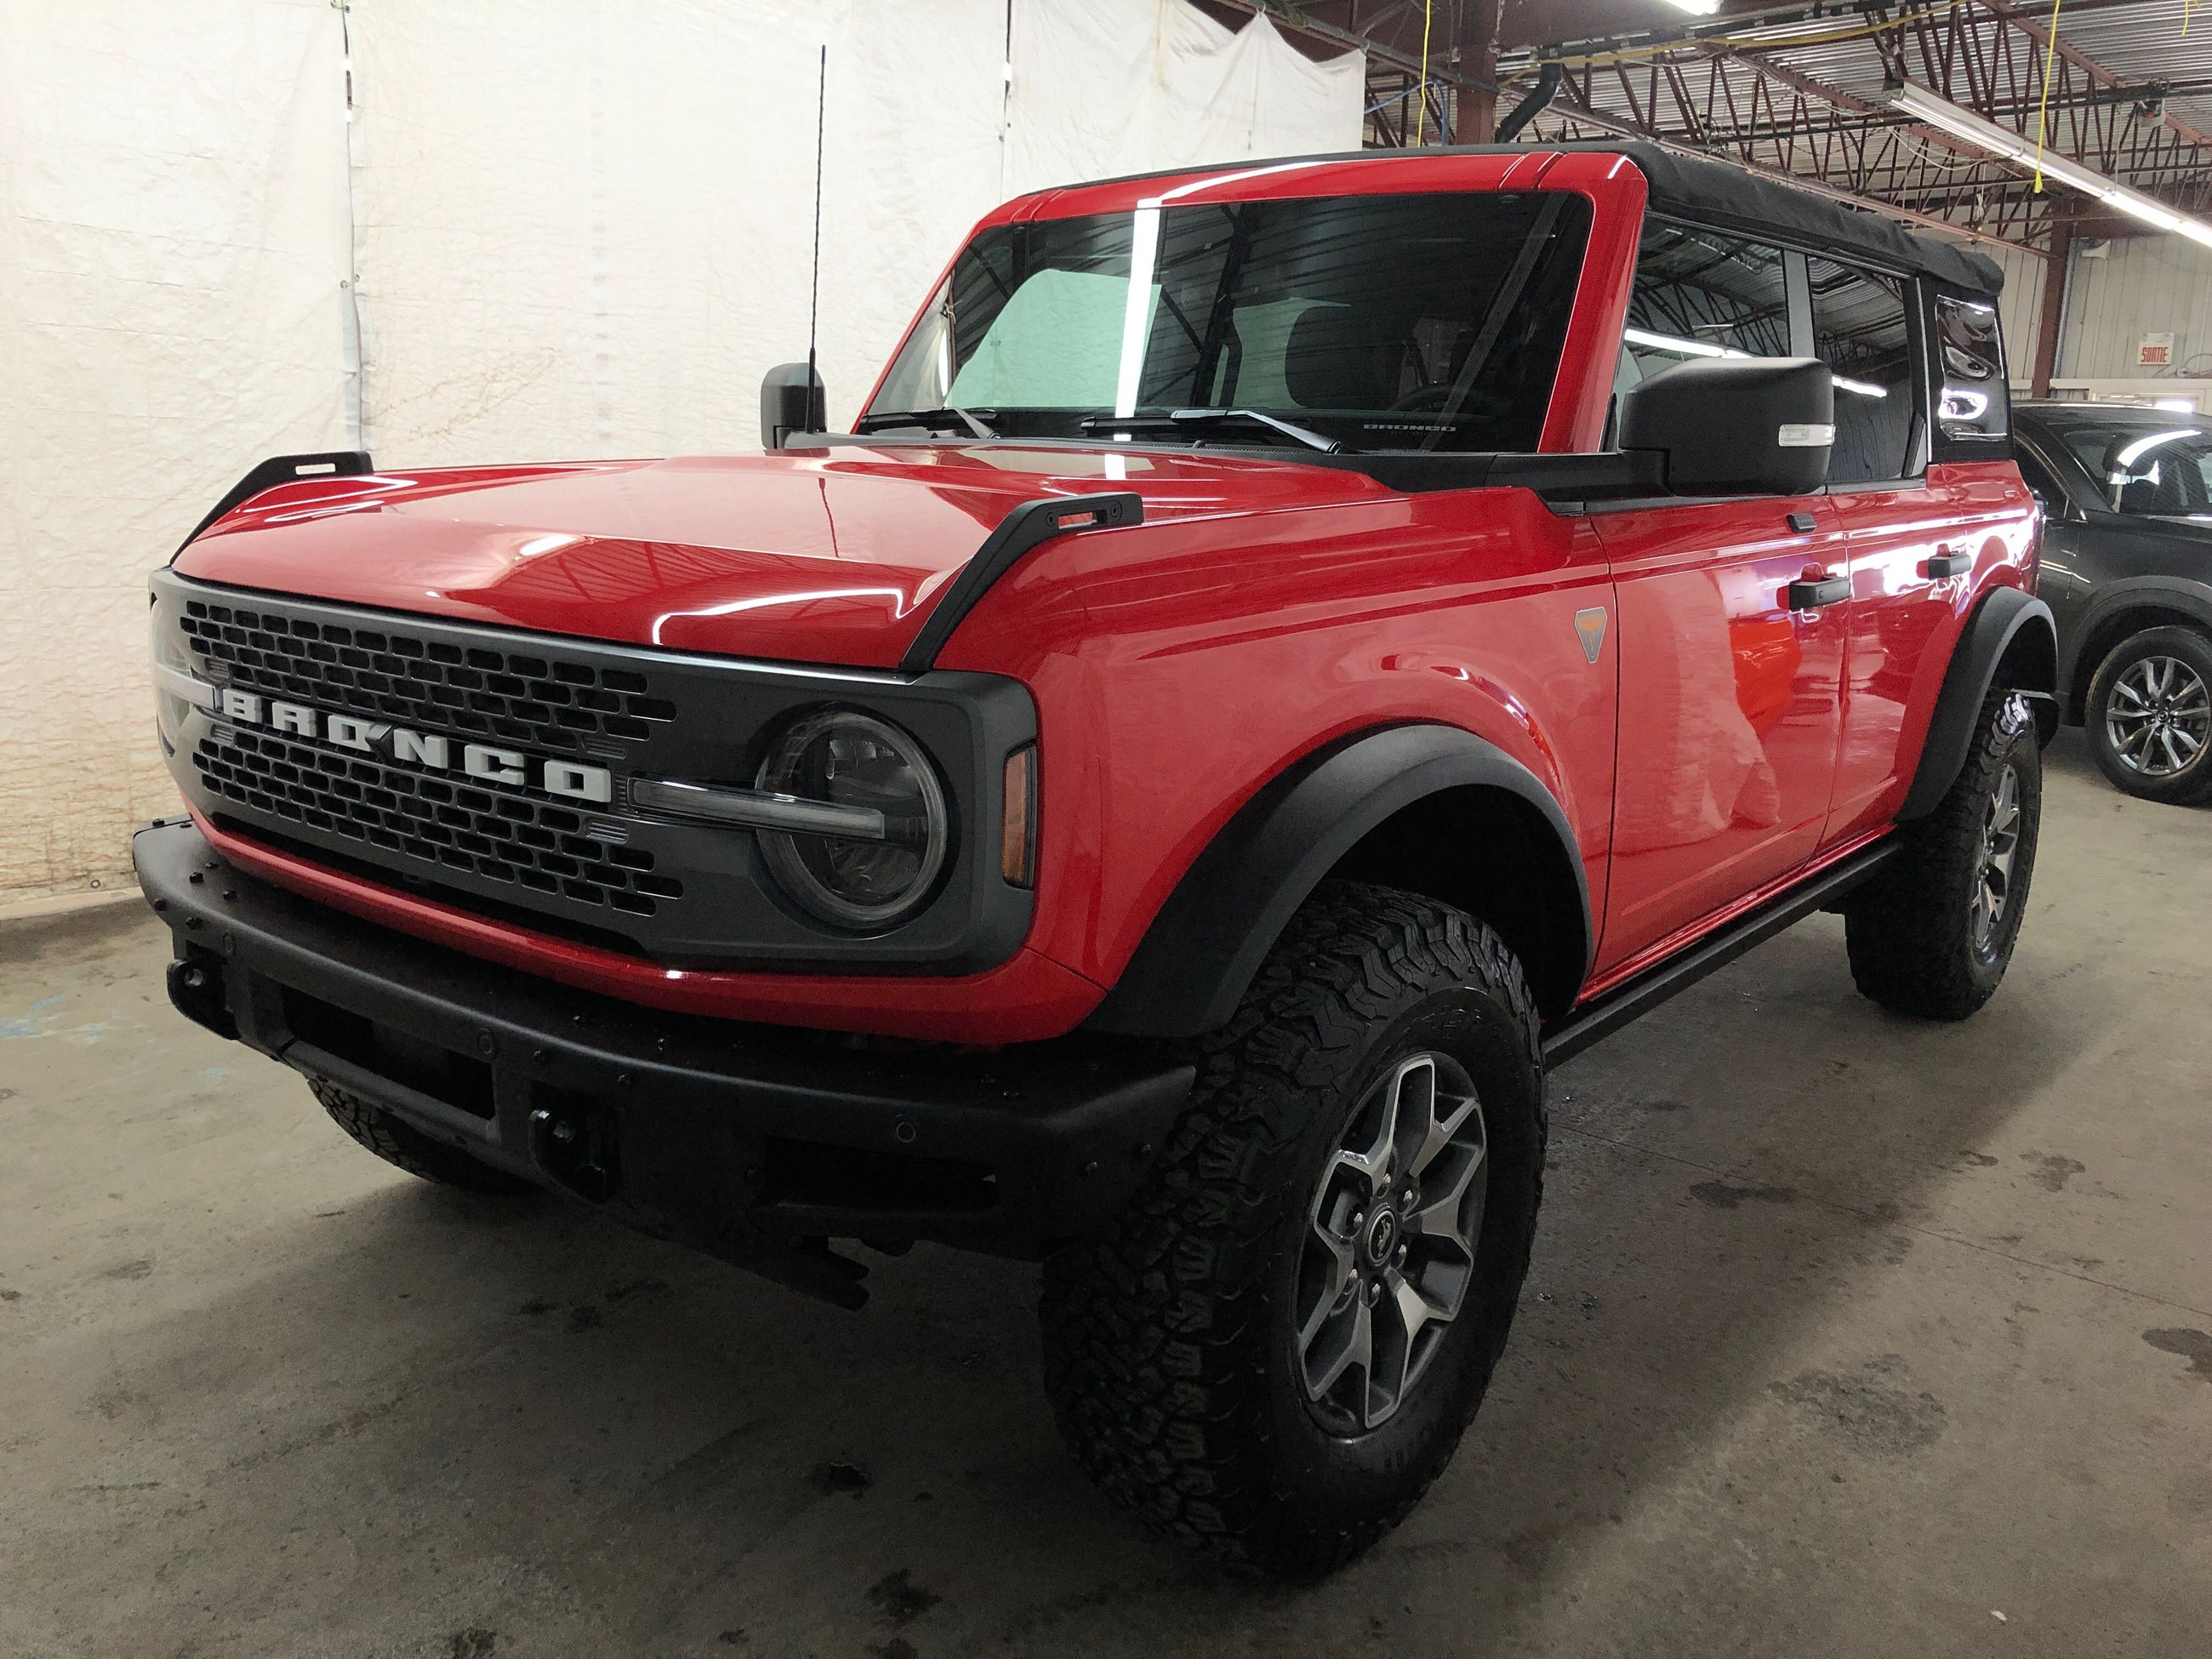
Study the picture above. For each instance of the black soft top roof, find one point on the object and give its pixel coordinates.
(1731, 198)
(1716, 193)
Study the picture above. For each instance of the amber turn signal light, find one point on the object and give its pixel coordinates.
(1018, 818)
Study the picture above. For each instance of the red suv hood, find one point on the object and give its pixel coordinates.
(833, 555)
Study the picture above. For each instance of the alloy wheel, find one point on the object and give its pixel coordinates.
(2159, 717)
(1389, 1244)
(2000, 845)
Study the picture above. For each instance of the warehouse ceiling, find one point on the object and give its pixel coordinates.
(1804, 90)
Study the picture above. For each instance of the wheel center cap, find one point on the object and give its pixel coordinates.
(1381, 1237)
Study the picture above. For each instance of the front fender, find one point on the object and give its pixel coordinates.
(1205, 947)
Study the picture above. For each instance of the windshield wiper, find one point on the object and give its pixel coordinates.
(947, 419)
(1177, 420)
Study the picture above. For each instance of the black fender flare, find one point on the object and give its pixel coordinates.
(1999, 620)
(1203, 948)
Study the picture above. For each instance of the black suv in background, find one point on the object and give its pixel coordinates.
(2127, 569)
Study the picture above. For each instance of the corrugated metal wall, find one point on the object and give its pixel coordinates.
(2143, 284)
(2020, 305)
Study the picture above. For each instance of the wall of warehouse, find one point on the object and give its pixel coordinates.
(2120, 290)
(513, 229)
(2116, 293)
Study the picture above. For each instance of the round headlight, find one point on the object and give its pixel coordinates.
(852, 760)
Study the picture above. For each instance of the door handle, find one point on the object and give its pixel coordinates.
(1811, 592)
(1942, 567)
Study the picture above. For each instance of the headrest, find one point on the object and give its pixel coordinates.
(1342, 357)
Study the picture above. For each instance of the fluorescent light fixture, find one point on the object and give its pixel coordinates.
(1697, 8)
(1707, 348)
(1670, 342)
(1925, 107)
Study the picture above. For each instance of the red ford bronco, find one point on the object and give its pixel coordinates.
(1287, 654)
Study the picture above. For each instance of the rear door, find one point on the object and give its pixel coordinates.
(1898, 514)
(1729, 708)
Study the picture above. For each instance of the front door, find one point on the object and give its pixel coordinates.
(1731, 656)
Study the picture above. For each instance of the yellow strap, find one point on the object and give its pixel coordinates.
(2043, 102)
(1421, 115)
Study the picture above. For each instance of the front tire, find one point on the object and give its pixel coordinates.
(406, 1147)
(1932, 934)
(2150, 715)
(1278, 1349)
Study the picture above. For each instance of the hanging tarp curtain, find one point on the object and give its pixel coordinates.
(579, 227)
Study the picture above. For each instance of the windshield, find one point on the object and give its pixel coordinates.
(1377, 322)
(2163, 470)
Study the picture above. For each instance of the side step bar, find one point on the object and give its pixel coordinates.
(1603, 1015)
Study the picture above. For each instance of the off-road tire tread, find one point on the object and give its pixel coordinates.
(1155, 1376)
(1906, 934)
(407, 1148)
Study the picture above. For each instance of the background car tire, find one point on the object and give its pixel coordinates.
(1915, 943)
(409, 1148)
(1171, 1355)
(2115, 680)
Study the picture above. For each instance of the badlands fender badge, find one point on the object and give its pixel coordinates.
(1590, 624)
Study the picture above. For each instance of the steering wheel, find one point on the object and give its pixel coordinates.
(1433, 396)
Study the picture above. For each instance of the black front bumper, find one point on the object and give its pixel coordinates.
(753, 1143)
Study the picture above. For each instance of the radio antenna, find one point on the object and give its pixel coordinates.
(817, 416)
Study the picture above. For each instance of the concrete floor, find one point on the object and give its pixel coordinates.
(1844, 1336)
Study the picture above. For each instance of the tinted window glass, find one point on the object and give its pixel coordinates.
(2040, 483)
(1700, 294)
(2157, 470)
(1969, 357)
(1860, 331)
(1384, 322)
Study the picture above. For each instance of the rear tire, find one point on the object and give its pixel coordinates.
(2150, 701)
(1370, 1124)
(1932, 934)
(408, 1148)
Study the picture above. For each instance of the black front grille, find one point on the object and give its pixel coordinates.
(519, 697)
(499, 836)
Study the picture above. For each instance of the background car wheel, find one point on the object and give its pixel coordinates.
(2150, 715)
(1279, 1348)
(1931, 934)
(399, 1144)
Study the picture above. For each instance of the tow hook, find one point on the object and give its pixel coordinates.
(195, 984)
(576, 1148)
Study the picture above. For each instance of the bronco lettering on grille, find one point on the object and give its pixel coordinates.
(427, 749)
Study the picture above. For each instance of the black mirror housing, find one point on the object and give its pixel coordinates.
(1735, 425)
(793, 399)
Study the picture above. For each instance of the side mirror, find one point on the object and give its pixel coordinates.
(791, 400)
(1735, 425)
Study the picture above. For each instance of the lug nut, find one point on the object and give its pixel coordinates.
(1374, 1291)
(1399, 1261)
(1358, 1219)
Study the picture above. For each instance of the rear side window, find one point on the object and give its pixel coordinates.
(1970, 360)
(1702, 293)
(1860, 330)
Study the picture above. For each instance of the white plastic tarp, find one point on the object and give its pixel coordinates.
(581, 227)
